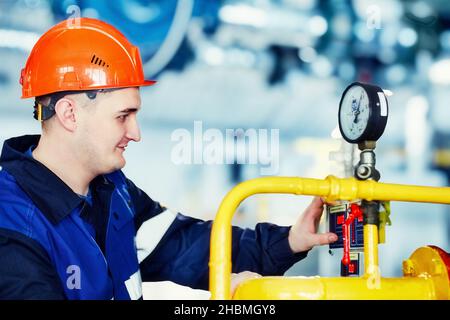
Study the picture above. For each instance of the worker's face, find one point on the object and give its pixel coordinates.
(105, 130)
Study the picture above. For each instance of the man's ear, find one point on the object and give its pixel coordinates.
(65, 112)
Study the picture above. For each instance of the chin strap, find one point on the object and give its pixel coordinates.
(42, 112)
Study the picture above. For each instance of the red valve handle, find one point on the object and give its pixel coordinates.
(355, 212)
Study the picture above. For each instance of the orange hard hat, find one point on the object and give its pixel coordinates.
(81, 54)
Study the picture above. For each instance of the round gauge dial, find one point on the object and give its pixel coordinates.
(362, 113)
(354, 113)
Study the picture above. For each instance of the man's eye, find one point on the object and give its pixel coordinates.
(122, 117)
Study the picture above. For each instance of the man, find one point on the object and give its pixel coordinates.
(72, 226)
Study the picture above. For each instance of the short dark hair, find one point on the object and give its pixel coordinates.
(44, 106)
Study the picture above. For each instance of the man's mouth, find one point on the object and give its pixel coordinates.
(122, 147)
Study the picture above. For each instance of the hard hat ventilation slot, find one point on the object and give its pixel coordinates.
(96, 60)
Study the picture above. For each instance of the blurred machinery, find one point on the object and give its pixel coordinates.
(284, 52)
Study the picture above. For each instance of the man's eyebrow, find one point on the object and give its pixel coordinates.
(129, 110)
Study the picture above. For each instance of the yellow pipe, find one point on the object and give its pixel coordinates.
(426, 276)
(371, 250)
(220, 258)
(343, 288)
(331, 188)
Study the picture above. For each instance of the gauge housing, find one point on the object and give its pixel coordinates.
(377, 114)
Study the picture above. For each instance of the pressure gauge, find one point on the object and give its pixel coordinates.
(363, 112)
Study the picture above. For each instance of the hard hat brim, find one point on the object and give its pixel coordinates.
(148, 83)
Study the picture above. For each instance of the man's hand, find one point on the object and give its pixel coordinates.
(238, 278)
(303, 235)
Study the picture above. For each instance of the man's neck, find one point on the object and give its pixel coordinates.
(60, 160)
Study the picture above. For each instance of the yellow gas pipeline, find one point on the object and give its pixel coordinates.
(424, 278)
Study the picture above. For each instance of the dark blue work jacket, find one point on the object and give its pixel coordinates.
(55, 244)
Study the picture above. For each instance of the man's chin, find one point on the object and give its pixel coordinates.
(117, 166)
(120, 165)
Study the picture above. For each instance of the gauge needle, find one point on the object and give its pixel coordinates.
(357, 112)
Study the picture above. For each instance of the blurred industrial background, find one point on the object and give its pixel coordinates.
(269, 64)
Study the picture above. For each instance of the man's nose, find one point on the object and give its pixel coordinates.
(133, 131)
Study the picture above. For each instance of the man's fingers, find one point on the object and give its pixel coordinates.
(238, 278)
(315, 208)
(330, 203)
(317, 202)
(325, 238)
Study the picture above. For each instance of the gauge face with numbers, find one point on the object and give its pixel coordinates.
(354, 113)
(362, 113)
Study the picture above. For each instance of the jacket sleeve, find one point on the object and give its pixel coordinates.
(181, 254)
(26, 271)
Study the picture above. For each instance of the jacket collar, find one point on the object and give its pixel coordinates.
(50, 194)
